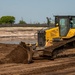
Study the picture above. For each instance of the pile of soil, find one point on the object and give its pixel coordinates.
(18, 55)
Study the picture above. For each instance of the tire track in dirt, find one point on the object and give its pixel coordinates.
(37, 68)
(67, 71)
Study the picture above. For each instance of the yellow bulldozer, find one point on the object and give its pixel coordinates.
(50, 40)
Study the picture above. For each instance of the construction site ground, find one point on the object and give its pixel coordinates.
(64, 64)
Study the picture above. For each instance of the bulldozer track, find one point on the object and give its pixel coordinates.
(59, 44)
(58, 47)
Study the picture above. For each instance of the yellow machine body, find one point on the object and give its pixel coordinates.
(70, 34)
(54, 33)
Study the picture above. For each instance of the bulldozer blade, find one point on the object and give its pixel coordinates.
(29, 51)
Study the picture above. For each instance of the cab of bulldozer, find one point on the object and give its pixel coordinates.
(64, 29)
(66, 26)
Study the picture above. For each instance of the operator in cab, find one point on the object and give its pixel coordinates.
(71, 22)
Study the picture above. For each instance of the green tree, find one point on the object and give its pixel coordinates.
(7, 19)
(0, 21)
(22, 22)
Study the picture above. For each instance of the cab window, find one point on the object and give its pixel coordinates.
(63, 26)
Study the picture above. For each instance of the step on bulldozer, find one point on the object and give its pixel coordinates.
(51, 41)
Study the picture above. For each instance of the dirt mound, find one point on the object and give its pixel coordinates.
(18, 55)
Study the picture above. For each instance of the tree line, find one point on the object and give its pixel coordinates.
(10, 20)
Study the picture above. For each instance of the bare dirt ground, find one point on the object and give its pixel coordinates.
(60, 66)
(63, 65)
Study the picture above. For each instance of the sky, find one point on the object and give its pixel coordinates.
(34, 11)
